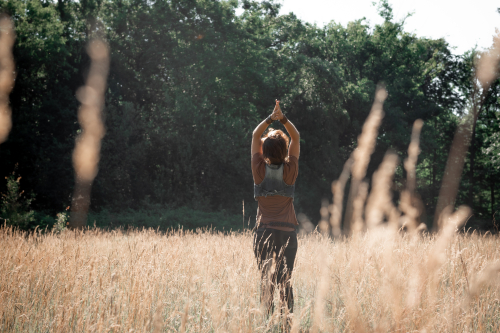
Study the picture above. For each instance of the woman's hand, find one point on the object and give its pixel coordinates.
(277, 113)
(259, 130)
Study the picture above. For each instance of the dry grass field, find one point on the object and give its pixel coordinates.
(144, 281)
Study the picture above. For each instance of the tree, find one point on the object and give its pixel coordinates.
(189, 80)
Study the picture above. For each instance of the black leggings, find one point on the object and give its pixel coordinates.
(282, 246)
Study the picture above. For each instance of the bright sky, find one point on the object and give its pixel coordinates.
(462, 23)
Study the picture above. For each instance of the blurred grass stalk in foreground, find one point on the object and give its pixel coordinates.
(88, 144)
(7, 74)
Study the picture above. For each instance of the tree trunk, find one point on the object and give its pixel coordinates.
(80, 204)
(434, 187)
(472, 165)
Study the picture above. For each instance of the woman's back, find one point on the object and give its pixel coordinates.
(275, 208)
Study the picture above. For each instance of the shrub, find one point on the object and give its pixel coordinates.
(15, 207)
(60, 224)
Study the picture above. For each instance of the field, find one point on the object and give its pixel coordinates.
(145, 281)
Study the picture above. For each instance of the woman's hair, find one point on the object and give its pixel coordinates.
(275, 147)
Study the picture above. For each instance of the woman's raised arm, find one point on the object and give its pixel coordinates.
(294, 149)
(259, 130)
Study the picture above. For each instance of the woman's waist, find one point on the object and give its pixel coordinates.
(280, 225)
(275, 203)
(288, 216)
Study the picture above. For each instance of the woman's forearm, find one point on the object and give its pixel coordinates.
(292, 131)
(294, 148)
(290, 128)
(257, 133)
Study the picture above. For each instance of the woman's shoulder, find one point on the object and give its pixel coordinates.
(291, 170)
(258, 168)
(258, 160)
(292, 160)
(257, 156)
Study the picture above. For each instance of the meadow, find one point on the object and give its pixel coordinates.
(205, 281)
(382, 273)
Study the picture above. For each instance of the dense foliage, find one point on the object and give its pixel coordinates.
(190, 79)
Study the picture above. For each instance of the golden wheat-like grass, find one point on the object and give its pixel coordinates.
(143, 281)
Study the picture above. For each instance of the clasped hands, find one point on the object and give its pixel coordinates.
(277, 113)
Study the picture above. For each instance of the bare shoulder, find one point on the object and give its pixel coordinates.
(291, 170)
(293, 160)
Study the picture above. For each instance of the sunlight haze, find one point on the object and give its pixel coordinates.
(462, 25)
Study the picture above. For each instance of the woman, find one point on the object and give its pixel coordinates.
(275, 167)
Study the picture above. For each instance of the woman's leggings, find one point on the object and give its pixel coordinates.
(281, 247)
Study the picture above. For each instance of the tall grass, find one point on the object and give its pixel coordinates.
(143, 281)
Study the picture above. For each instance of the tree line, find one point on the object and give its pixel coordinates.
(190, 79)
